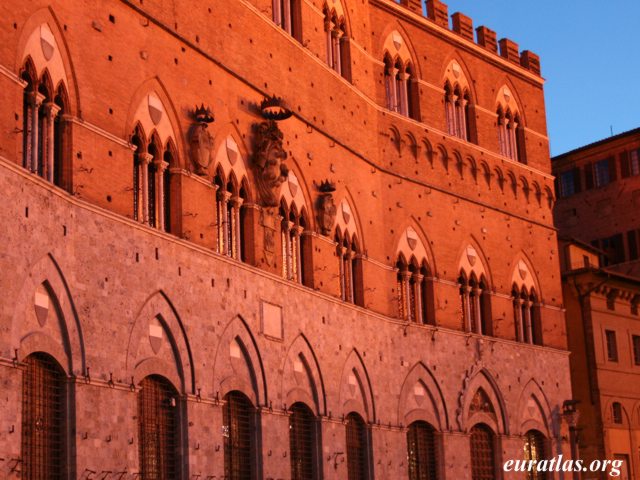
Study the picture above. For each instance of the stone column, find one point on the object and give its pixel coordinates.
(145, 159)
(392, 89)
(403, 93)
(297, 253)
(286, 21)
(336, 34)
(343, 274)
(51, 111)
(328, 31)
(478, 309)
(466, 308)
(512, 139)
(348, 264)
(161, 166)
(527, 320)
(223, 225)
(236, 205)
(450, 111)
(417, 292)
(405, 276)
(517, 317)
(36, 100)
(462, 124)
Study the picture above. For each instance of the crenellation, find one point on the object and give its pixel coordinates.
(530, 61)
(438, 12)
(487, 38)
(462, 25)
(509, 50)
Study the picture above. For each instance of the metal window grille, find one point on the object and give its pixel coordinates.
(534, 450)
(238, 428)
(421, 445)
(158, 428)
(302, 442)
(43, 419)
(612, 345)
(482, 453)
(356, 447)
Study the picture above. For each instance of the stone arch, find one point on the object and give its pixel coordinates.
(356, 393)
(347, 220)
(158, 344)
(635, 414)
(537, 191)
(42, 41)
(507, 98)
(301, 379)
(550, 197)
(428, 150)
(397, 47)
(152, 109)
(486, 172)
(608, 413)
(336, 7)
(295, 192)
(421, 399)
(238, 364)
(513, 183)
(230, 156)
(524, 275)
(472, 260)
(411, 142)
(459, 163)
(499, 178)
(534, 412)
(45, 318)
(412, 241)
(456, 72)
(483, 383)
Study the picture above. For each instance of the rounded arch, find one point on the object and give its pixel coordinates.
(158, 343)
(301, 379)
(42, 42)
(238, 364)
(491, 409)
(45, 318)
(534, 412)
(356, 393)
(421, 399)
(152, 109)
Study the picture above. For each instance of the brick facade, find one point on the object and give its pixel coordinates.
(211, 312)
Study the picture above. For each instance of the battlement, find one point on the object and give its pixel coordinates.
(438, 12)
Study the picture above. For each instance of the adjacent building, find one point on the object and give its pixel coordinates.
(274, 239)
(599, 227)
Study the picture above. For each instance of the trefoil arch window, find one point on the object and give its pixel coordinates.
(511, 135)
(401, 88)
(350, 268)
(474, 303)
(457, 104)
(415, 288)
(337, 42)
(526, 315)
(230, 201)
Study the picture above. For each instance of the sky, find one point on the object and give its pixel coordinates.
(589, 55)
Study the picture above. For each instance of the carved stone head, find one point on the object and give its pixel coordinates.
(268, 161)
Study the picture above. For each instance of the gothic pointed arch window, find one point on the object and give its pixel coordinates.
(44, 419)
(42, 125)
(288, 15)
(357, 448)
(535, 451)
(511, 137)
(238, 431)
(474, 302)
(61, 175)
(422, 451)
(526, 315)
(350, 265)
(295, 261)
(337, 41)
(230, 203)
(302, 442)
(483, 453)
(158, 427)
(457, 104)
(401, 87)
(414, 291)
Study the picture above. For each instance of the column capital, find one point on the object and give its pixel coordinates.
(223, 195)
(52, 108)
(160, 164)
(145, 158)
(236, 201)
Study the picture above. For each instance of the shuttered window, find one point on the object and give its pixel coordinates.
(302, 435)
(158, 429)
(357, 448)
(482, 453)
(421, 450)
(238, 431)
(43, 419)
